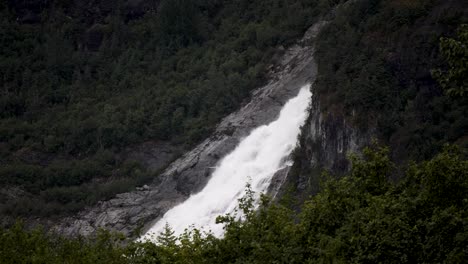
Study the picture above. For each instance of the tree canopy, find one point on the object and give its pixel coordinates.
(455, 51)
(362, 217)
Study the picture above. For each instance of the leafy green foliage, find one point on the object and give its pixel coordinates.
(17, 246)
(359, 218)
(454, 81)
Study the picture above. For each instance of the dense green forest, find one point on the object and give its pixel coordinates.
(378, 64)
(359, 218)
(81, 80)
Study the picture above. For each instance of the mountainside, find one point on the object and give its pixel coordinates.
(375, 82)
(113, 112)
(96, 101)
(187, 175)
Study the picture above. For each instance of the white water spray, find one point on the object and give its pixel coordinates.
(255, 160)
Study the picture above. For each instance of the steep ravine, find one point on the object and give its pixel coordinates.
(140, 209)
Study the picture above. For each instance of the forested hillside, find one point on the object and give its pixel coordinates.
(376, 63)
(83, 79)
(391, 70)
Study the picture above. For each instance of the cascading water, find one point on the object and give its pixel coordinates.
(255, 160)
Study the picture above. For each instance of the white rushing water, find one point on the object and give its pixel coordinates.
(255, 160)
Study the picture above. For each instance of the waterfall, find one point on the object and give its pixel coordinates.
(255, 160)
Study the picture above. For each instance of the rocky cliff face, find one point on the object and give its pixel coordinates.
(187, 175)
(327, 139)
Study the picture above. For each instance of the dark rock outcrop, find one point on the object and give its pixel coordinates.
(327, 139)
